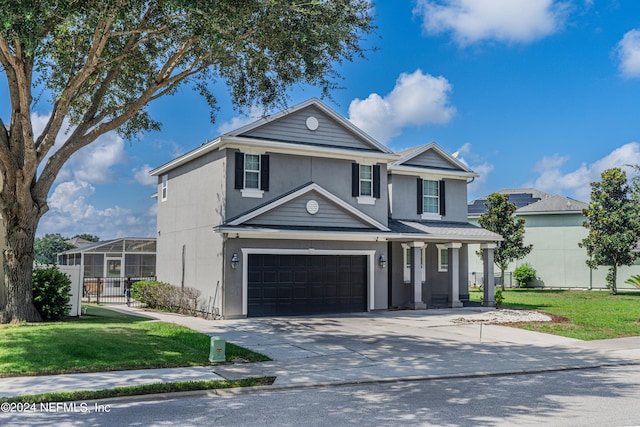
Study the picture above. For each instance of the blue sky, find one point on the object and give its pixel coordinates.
(537, 93)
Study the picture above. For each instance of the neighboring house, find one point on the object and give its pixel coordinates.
(79, 242)
(303, 213)
(108, 264)
(553, 224)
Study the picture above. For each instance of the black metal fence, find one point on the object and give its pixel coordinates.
(476, 279)
(110, 290)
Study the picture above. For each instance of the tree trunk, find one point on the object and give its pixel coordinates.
(502, 277)
(18, 266)
(614, 273)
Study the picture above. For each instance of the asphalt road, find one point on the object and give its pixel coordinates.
(591, 397)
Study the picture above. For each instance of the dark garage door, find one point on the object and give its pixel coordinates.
(280, 285)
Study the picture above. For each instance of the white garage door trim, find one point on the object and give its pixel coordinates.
(249, 251)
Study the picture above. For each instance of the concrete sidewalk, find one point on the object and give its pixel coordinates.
(363, 347)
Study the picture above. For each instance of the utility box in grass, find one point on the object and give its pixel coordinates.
(217, 350)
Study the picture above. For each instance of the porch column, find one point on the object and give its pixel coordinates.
(416, 276)
(487, 258)
(454, 274)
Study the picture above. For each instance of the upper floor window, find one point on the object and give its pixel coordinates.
(252, 174)
(366, 180)
(251, 171)
(431, 199)
(164, 187)
(365, 183)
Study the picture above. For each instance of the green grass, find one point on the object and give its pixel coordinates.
(104, 340)
(139, 390)
(588, 315)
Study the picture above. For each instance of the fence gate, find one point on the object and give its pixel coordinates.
(110, 290)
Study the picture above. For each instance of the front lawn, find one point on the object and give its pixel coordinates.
(104, 340)
(588, 315)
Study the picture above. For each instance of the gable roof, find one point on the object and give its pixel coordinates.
(429, 158)
(251, 136)
(530, 201)
(300, 191)
(315, 103)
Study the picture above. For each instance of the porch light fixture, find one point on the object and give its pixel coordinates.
(234, 261)
(382, 261)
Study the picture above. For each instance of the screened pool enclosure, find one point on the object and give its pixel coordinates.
(107, 265)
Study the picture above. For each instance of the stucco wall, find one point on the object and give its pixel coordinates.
(558, 260)
(194, 205)
(288, 172)
(404, 200)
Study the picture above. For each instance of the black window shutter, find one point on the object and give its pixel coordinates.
(420, 196)
(442, 199)
(264, 172)
(376, 181)
(239, 171)
(355, 179)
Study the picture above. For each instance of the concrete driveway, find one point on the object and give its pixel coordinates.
(395, 345)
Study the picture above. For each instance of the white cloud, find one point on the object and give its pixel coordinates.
(141, 175)
(70, 213)
(513, 21)
(416, 99)
(576, 183)
(628, 50)
(237, 122)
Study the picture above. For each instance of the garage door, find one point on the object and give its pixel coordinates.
(280, 285)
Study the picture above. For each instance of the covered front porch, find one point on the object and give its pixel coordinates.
(429, 264)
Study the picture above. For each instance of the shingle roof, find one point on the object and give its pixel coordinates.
(530, 200)
(443, 229)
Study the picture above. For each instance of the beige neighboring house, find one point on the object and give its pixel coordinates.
(553, 224)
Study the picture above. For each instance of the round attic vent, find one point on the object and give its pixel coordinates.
(312, 123)
(312, 207)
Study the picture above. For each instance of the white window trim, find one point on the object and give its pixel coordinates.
(406, 267)
(164, 187)
(360, 180)
(253, 193)
(430, 215)
(442, 269)
(365, 200)
(371, 263)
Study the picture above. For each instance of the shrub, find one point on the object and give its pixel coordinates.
(524, 274)
(498, 297)
(154, 294)
(51, 293)
(163, 296)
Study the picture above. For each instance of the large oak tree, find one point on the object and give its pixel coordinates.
(103, 61)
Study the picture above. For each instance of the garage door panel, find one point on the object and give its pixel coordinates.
(306, 284)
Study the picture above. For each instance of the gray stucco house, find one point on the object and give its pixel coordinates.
(301, 212)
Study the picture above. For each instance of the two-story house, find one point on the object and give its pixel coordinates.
(301, 212)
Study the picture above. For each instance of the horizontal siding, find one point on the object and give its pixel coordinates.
(292, 128)
(431, 159)
(295, 214)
